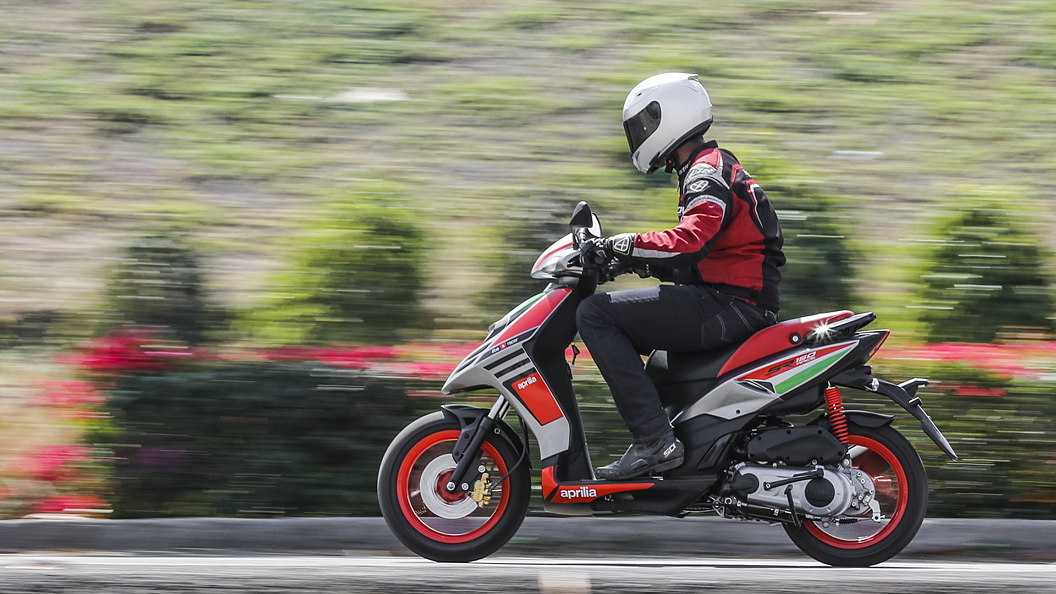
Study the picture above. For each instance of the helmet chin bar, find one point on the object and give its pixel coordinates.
(669, 156)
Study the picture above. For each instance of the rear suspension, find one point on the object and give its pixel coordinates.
(837, 420)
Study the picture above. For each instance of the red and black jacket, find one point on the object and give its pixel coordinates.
(728, 234)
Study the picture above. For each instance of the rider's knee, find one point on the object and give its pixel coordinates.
(591, 309)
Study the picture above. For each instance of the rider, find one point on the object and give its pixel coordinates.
(723, 258)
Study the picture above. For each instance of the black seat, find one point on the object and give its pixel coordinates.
(666, 367)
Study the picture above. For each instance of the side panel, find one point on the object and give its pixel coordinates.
(547, 349)
(707, 440)
(768, 383)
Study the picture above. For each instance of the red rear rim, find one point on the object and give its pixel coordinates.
(451, 530)
(892, 493)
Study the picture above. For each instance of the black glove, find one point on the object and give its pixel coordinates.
(602, 249)
(613, 269)
(595, 252)
(622, 245)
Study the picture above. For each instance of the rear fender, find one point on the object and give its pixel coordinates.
(904, 395)
(864, 418)
(468, 418)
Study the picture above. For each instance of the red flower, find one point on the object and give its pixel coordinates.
(133, 349)
(52, 463)
(75, 504)
(69, 394)
(423, 371)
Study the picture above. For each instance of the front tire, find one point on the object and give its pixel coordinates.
(442, 526)
(901, 490)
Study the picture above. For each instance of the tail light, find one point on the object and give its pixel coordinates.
(879, 343)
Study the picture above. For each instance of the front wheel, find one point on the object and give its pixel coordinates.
(444, 526)
(901, 490)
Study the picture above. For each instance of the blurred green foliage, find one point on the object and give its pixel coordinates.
(158, 282)
(1003, 430)
(516, 243)
(353, 275)
(251, 439)
(986, 275)
(234, 118)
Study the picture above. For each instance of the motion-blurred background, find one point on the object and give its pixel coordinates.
(242, 242)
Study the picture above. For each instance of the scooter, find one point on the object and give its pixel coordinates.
(847, 487)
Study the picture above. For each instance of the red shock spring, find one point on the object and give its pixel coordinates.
(837, 420)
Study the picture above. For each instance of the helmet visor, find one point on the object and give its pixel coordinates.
(642, 125)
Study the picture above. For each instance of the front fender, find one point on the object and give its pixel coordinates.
(468, 417)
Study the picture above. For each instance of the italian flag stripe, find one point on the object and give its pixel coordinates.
(807, 373)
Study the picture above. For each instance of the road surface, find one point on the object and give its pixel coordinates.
(356, 574)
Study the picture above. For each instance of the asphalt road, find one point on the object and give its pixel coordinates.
(267, 574)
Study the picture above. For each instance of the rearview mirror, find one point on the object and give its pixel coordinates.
(581, 217)
(595, 225)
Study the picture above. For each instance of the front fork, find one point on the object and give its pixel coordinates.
(468, 445)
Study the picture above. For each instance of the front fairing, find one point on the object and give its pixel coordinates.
(559, 260)
(515, 328)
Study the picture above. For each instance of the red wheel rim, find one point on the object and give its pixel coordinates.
(879, 463)
(439, 442)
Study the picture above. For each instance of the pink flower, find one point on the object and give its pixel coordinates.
(1014, 360)
(132, 349)
(52, 463)
(423, 371)
(69, 394)
(76, 504)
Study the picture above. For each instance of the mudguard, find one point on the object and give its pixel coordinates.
(865, 418)
(862, 379)
(468, 418)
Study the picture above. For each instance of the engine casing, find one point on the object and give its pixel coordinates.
(826, 496)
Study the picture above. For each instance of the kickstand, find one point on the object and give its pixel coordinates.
(792, 507)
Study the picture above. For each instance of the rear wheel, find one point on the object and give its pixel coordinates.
(446, 526)
(901, 490)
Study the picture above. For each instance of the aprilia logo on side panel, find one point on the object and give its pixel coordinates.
(527, 382)
(578, 493)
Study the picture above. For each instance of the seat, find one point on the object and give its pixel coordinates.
(666, 368)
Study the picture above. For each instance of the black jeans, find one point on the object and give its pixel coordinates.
(620, 326)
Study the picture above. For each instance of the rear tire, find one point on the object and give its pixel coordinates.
(901, 489)
(438, 525)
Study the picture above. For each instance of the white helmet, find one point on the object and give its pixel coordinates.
(661, 113)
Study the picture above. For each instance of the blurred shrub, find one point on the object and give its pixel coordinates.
(986, 274)
(517, 244)
(819, 273)
(355, 275)
(1003, 430)
(158, 283)
(251, 438)
(27, 328)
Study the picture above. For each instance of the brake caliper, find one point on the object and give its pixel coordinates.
(481, 490)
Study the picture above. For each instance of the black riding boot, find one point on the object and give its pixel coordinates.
(662, 454)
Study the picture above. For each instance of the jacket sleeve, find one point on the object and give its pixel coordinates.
(708, 204)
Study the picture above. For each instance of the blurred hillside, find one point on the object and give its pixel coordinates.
(223, 222)
(236, 121)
